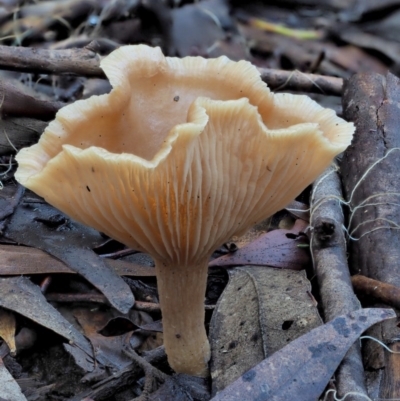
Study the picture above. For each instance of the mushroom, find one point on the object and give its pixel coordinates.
(179, 157)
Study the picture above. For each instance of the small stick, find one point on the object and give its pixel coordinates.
(101, 299)
(151, 373)
(121, 379)
(300, 81)
(383, 292)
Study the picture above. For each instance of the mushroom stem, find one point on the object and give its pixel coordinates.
(182, 291)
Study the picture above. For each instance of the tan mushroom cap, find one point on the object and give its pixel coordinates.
(213, 178)
(179, 157)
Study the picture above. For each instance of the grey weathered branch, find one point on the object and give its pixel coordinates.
(328, 247)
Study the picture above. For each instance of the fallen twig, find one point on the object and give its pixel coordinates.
(125, 377)
(86, 62)
(389, 294)
(101, 299)
(300, 81)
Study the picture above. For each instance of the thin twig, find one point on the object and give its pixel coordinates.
(151, 373)
(86, 62)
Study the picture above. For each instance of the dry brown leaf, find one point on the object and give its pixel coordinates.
(7, 329)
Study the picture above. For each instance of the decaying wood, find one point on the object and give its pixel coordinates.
(328, 247)
(371, 181)
(86, 62)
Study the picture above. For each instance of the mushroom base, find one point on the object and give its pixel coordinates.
(182, 291)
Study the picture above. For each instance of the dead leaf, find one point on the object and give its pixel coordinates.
(390, 49)
(20, 295)
(261, 310)
(302, 369)
(7, 329)
(91, 320)
(46, 228)
(354, 59)
(9, 199)
(191, 18)
(278, 248)
(23, 260)
(138, 321)
(10, 391)
(387, 28)
(354, 10)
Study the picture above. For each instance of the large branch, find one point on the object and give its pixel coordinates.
(370, 173)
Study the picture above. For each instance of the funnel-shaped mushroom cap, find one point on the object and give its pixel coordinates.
(180, 156)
